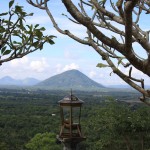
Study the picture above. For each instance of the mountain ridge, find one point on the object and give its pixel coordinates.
(70, 79)
(7, 80)
(60, 84)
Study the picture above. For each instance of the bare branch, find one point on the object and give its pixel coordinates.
(123, 31)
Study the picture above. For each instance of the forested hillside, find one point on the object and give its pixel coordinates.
(26, 120)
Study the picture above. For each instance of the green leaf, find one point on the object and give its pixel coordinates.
(120, 60)
(64, 15)
(6, 21)
(50, 41)
(38, 33)
(31, 14)
(11, 3)
(3, 49)
(1, 35)
(42, 29)
(30, 28)
(24, 37)
(14, 42)
(2, 29)
(36, 25)
(3, 14)
(15, 33)
(23, 14)
(100, 65)
(6, 52)
(18, 9)
(52, 36)
(35, 44)
(21, 24)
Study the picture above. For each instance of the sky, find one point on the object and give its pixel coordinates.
(65, 54)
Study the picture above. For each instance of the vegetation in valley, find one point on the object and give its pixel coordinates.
(26, 116)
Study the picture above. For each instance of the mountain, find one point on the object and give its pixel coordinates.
(70, 79)
(30, 81)
(9, 81)
(25, 82)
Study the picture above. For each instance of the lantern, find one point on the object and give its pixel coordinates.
(70, 110)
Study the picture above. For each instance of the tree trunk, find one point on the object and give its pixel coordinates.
(70, 146)
(128, 144)
(142, 142)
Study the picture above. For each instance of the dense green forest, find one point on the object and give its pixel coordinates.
(109, 120)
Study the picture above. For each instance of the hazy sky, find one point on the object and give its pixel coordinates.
(65, 54)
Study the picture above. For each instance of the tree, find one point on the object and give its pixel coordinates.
(117, 126)
(118, 47)
(17, 38)
(45, 141)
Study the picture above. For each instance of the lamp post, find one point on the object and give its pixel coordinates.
(70, 132)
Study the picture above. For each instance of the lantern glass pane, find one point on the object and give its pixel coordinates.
(66, 111)
(75, 114)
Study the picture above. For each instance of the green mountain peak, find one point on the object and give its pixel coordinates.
(70, 79)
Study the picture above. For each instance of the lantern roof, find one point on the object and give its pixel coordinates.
(71, 100)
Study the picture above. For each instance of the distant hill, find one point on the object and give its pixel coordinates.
(70, 79)
(119, 86)
(124, 86)
(25, 82)
(30, 81)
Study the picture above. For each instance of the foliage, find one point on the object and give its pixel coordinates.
(45, 141)
(116, 126)
(113, 29)
(25, 113)
(17, 38)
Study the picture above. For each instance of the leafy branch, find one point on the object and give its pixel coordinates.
(18, 39)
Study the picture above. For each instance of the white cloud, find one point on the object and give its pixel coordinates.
(61, 68)
(92, 74)
(19, 62)
(39, 65)
(26, 65)
(58, 68)
(71, 66)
